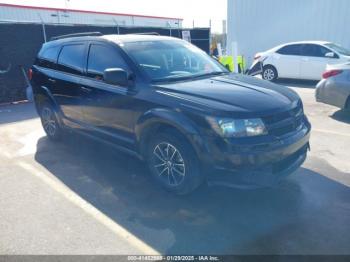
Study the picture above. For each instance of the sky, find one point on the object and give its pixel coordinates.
(201, 11)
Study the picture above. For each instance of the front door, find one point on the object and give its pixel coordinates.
(108, 109)
(314, 61)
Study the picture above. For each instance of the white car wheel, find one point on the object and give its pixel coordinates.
(269, 73)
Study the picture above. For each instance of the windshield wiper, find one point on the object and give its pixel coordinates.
(168, 79)
(215, 73)
(179, 78)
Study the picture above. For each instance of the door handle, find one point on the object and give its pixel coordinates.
(52, 80)
(85, 89)
(305, 59)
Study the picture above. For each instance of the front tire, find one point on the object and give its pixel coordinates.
(269, 73)
(173, 163)
(49, 122)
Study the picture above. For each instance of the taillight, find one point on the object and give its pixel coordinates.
(30, 74)
(330, 73)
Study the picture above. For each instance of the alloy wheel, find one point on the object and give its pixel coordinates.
(269, 74)
(169, 164)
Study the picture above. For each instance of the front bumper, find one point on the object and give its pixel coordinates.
(256, 164)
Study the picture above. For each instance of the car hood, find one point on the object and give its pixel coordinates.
(232, 93)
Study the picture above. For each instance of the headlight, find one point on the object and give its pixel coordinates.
(238, 127)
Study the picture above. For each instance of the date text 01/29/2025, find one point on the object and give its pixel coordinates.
(174, 258)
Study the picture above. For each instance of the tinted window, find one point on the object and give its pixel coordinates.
(290, 50)
(314, 50)
(48, 57)
(102, 57)
(71, 58)
(50, 53)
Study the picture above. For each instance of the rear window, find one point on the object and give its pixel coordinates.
(50, 54)
(290, 50)
(71, 58)
(48, 57)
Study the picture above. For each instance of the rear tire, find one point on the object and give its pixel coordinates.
(347, 104)
(50, 122)
(173, 163)
(269, 73)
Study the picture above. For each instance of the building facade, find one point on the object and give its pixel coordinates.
(258, 25)
(31, 14)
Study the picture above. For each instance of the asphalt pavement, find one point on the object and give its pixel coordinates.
(79, 197)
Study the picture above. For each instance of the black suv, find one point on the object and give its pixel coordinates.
(167, 102)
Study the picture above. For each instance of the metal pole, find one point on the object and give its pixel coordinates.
(210, 35)
(168, 24)
(43, 27)
(116, 22)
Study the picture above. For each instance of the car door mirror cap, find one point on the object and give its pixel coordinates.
(330, 55)
(116, 76)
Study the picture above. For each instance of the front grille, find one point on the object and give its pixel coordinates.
(286, 122)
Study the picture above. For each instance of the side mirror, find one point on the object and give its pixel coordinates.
(116, 76)
(330, 55)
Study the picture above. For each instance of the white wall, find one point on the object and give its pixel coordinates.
(258, 25)
(16, 14)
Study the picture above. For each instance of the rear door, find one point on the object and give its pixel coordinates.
(108, 109)
(314, 61)
(287, 61)
(46, 66)
(68, 94)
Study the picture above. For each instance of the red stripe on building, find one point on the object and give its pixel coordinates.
(85, 11)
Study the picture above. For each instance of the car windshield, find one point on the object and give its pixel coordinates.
(172, 60)
(339, 49)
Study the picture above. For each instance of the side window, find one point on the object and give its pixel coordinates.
(289, 50)
(102, 57)
(48, 57)
(71, 58)
(314, 50)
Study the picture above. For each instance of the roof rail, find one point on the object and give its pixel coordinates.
(76, 35)
(147, 33)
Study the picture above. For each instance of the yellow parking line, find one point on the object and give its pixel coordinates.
(91, 210)
(330, 132)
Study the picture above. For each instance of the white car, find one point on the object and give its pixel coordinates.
(300, 60)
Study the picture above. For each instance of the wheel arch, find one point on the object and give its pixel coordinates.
(45, 96)
(270, 65)
(159, 120)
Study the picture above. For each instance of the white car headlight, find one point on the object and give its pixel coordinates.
(238, 127)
